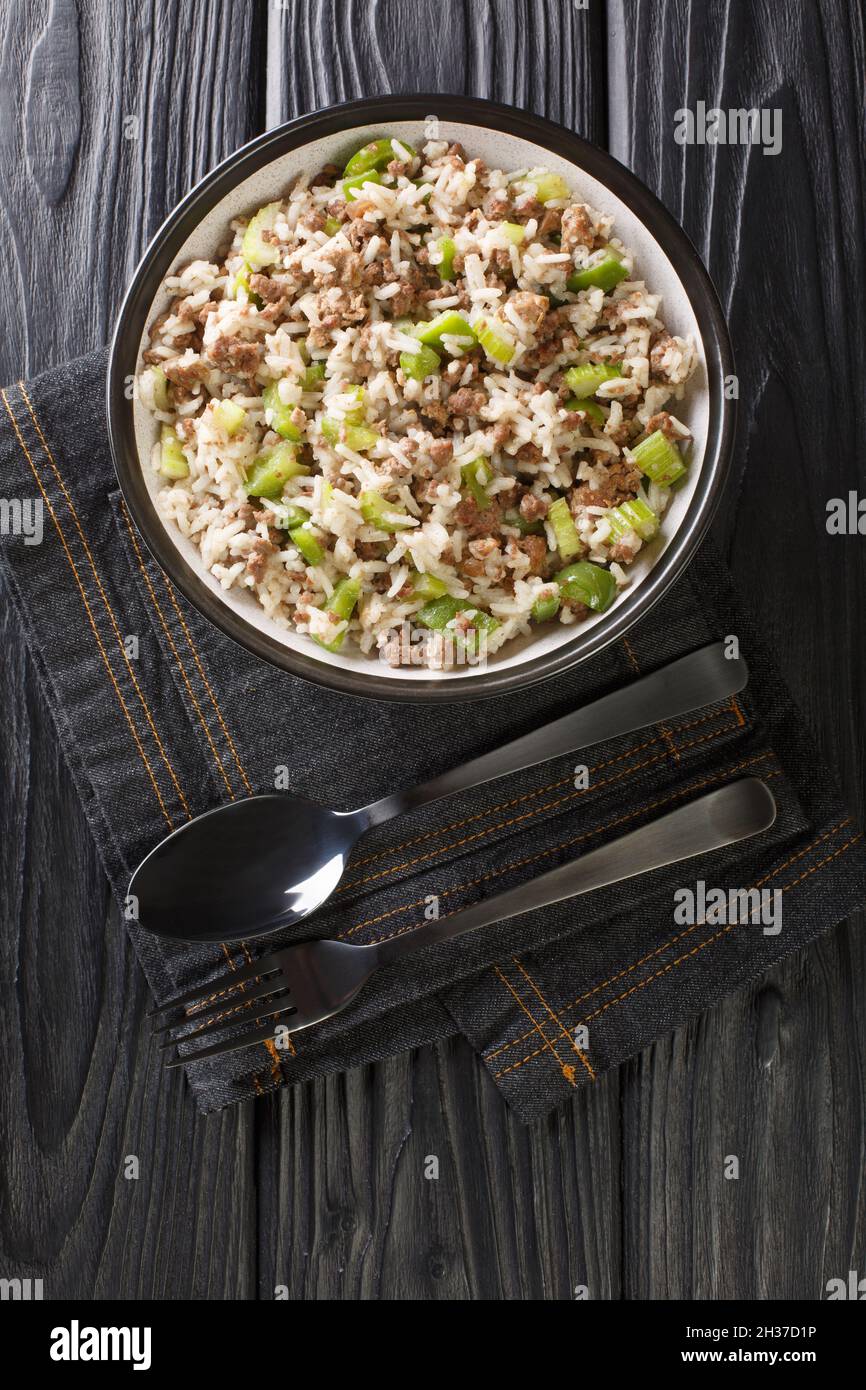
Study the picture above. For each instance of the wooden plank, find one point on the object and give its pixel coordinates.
(82, 188)
(775, 1075)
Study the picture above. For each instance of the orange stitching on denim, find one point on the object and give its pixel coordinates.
(659, 950)
(104, 596)
(584, 1059)
(735, 706)
(99, 642)
(554, 849)
(672, 748)
(568, 1072)
(516, 820)
(181, 667)
(641, 984)
(538, 791)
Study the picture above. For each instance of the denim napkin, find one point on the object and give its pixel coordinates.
(161, 718)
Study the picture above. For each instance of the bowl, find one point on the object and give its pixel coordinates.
(507, 138)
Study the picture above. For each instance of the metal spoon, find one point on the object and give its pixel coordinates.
(255, 866)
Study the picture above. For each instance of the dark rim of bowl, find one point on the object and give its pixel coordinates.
(474, 111)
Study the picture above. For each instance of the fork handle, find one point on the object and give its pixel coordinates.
(701, 678)
(720, 818)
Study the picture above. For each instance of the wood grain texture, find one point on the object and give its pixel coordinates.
(775, 1074)
(81, 1089)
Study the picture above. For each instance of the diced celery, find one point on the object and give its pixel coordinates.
(440, 612)
(385, 516)
(446, 323)
(659, 459)
(255, 250)
(160, 388)
(352, 187)
(426, 585)
(603, 275)
(589, 407)
(568, 542)
(376, 155)
(584, 381)
(272, 469)
(342, 605)
(446, 265)
(307, 545)
(418, 365)
(360, 438)
(633, 516)
(313, 376)
(475, 476)
(332, 226)
(279, 415)
(545, 608)
(589, 584)
(172, 459)
(493, 342)
(514, 231)
(549, 186)
(229, 417)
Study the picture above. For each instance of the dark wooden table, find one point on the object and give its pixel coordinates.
(109, 111)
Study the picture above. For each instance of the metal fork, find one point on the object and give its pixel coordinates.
(304, 984)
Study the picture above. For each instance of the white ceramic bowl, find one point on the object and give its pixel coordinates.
(504, 138)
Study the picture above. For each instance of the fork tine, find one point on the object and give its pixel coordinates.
(264, 966)
(230, 1045)
(224, 1006)
(278, 1005)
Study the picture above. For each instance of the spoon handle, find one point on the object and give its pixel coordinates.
(701, 678)
(734, 812)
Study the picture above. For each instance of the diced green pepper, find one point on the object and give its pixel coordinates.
(568, 542)
(332, 226)
(589, 407)
(279, 414)
(475, 476)
(313, 376)
(272, 469)
(376, 155)
(352, 187)
(545, 608)
(446, 265)
(588, 583)
(514, 231)
(659, 459)
(426, 585)
(603, 275)
(549, 186)
(255, 250)
(418, 365)
(493, 342)
(633, 516)
(342, 605)
(172, 459)
(385, 516)
(160, 388)
(584, 381)
(445, 324)
(229, 417)
(441, 612)
(291, 517)
(526, 528)
(306, 543)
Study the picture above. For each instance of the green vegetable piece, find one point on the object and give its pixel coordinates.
(590, 408)
(426, 585)
(550, 186)
(446, 265)
(494, 344)
(514, 232)
(441, 612)
(255, 250)
(291, 517)
(568, 542)
(172, 459)
(603, 275)
(332, 226)
(545, 609)
(659, 460)
(272, 469)
(313, 375)
(418, 365)
(475, 476)
(342, 605)
(360, 438)
(385, 516)
(376, 155)
(632, 516)
(588, 583)
(352, 187)
(584, 381)
(526, 528)
(160, 388)
(280, 414)
(446, 323)
(242, 282)
(307, 544)
(229, 417)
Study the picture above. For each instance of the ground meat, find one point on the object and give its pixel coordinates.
(267, 289)
(580, 610)
(369, 550)
(623, 553)
(664, 422)
(337, 208)
(657, 354)
(550, 223)
(440, 451)
(536, 548)
(236, 355)
(346, 269)
(527, 208)
(328, 174)
(531, 308)
(436, 411)
(314, 220)
(483, 547)
(359, 233)
(548, 341)
(623, 479)
(339, 308)
(185, 374)
(259, 553)
(475, 521)
(398, 167)
(466, 401)
(577, 228)
(574, 419)
(624, 432)
(529, 455)
(501, 434)
(533, 508)
(586, 496)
